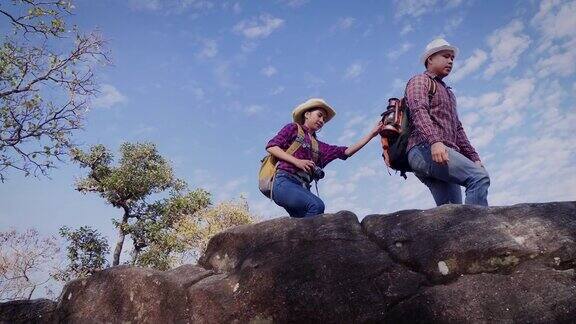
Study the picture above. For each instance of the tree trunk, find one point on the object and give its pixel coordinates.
(121, 235)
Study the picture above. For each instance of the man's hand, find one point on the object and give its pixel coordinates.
(439, 153)
(305, 165)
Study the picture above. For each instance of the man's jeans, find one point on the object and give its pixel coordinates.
(288, 192)
(444, 181)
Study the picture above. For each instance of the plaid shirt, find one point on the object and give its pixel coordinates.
(327, 153)
(437, 120)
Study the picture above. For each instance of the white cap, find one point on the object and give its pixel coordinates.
(435, 46)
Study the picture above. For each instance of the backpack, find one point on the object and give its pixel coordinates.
(270, 162)
(394, 137)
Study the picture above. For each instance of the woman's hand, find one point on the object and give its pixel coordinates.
(367, 138)
(305, 165)
(377, 129)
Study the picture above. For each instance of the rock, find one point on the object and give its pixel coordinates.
(27, 311)
(499, 264)
(129, 294)
(449, 264)
(297, 270)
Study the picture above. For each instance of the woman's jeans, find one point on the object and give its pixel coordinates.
(291, 194)
(444, 180)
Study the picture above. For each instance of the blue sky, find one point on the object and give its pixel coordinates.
(210, 82)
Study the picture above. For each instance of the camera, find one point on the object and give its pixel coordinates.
(317, 173)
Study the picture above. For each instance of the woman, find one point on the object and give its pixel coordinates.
(295, 172)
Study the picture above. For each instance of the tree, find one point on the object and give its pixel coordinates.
(26, 260)
(87, 251)
(154, 234)
(44, 91)
(141, 172)
(193, 222)
(196, 230)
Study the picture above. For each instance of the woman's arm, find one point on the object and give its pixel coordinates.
(280, 154)
(360, 144)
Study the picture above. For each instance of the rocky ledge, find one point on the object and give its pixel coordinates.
(451, 264)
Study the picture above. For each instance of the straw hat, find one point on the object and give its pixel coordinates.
(435, 46)
(298, 112)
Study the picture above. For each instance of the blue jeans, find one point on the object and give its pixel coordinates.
(444, 180)
(288, 192)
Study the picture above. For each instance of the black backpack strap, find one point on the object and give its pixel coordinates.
(431, 88)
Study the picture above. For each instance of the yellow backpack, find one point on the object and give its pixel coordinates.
(270, 162)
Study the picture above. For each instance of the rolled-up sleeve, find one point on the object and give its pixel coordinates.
(419, 107)
(284, 138)
(329, 153)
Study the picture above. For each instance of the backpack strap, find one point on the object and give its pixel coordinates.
(315, 150)
(297, 142)
(300, 140)
(431, 89)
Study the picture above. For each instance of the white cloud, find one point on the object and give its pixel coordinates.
(470, 65)
(109, 96)
(177, 6)
(416, 8)
(194, 4)
(343, 24)
(268, 71)
(506, 46)
(260, 27)
(253, 109)
(394, 54)
(313, 81)
(223, 76)
(295, 3)
(145, 4)
(484, 101)
(249, 46)
(236, 7)
(555, 19)
(562, 64)
(355, 120)
(354, 71)
(278, 90)
(517, 94)
(348, 135)
(197, 92)
(497, 112)
(209, 49)
(406, 29)
(453, 23)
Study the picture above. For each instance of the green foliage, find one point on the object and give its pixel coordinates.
(87, 251)
(168, 230)
(140, 173)
(197, 229)
(186, 239)
(44, 92)
(155, 234)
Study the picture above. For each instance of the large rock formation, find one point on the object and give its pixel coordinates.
(448, 265)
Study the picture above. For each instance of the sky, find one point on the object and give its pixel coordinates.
(210, 82)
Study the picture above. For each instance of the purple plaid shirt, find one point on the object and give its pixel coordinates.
(436, 121)
(327, 153)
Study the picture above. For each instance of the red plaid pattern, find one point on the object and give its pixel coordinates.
(437, 120)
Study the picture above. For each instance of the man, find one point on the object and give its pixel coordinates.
(438, 150)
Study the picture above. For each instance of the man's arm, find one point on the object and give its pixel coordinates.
(464, 144)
